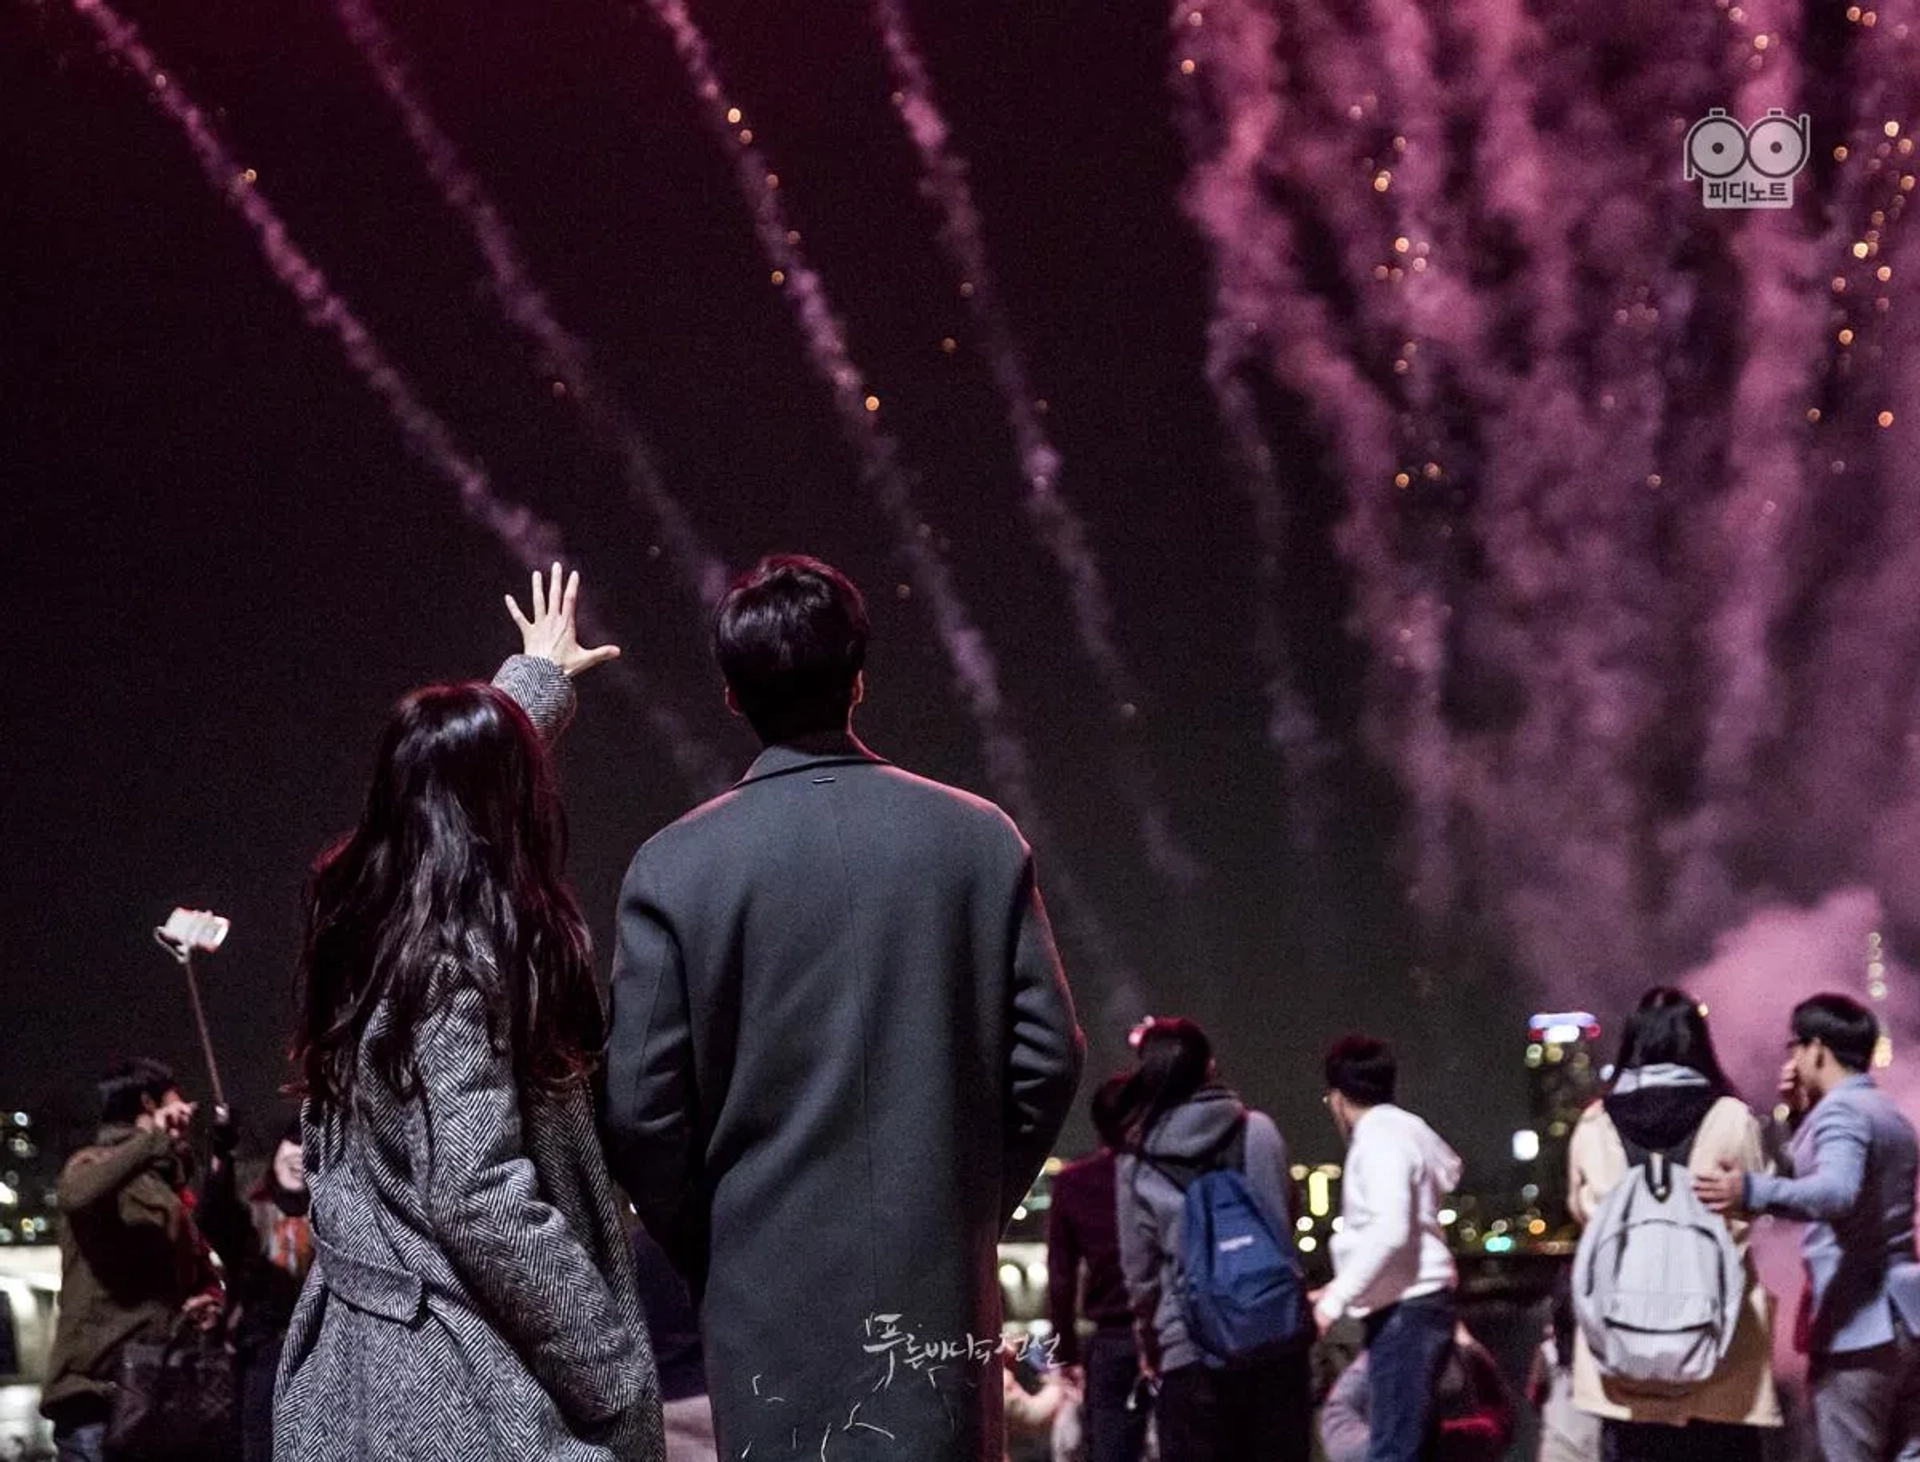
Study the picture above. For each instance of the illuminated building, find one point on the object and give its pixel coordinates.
(1316, 1199)
(26, 1183)
(1877, 998)
(29, 1283)
(1563, 1076)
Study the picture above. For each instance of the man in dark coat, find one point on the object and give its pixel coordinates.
(842, 1047)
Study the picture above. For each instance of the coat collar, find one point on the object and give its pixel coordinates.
(833, 748)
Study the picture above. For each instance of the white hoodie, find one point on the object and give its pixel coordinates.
(1391, 1245)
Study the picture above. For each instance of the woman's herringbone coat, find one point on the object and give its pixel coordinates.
(473, 1297)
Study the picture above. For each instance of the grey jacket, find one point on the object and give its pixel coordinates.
(1855, 1163)
(842, 1048)
(473, 1296)
(1150, 1206)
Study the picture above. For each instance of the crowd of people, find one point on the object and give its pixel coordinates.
(840, 1045)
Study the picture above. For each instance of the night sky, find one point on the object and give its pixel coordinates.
(224, 564)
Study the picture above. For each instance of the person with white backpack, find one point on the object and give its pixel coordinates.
(1674, 1348)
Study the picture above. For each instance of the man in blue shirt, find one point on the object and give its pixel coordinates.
(1854, 1165)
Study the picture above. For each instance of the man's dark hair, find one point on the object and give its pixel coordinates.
(1840, 1023)
(791, 639)
(124, 1090)
(1362, 1070)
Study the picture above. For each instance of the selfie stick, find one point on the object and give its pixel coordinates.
(182, 939)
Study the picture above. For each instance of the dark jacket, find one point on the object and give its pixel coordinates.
(1151, 1200)
(1081, 1230)
(266, 1246)
(472, 1297)
(842, 1048)
(130, 1260)
(672, 1322)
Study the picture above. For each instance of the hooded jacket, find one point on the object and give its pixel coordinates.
(1391, 1245)
(1151, 1205)
(1659, 1107)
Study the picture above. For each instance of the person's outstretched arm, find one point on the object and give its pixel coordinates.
(647, 1106)
(541, 677)
(524, 1263)
(1839, 1137)
(222, 1215)
(1046, 1052)
(96, 1174)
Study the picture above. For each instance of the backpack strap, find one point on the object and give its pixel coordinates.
(1234, 1150)
(1660, 1162)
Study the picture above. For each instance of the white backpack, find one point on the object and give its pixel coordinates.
(1657, 1282)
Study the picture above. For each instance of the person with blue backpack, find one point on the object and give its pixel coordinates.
(1206, 1243)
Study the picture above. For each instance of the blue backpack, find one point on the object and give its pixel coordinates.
(1245, 1297)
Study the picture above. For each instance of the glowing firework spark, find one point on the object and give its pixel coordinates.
(1574, 550)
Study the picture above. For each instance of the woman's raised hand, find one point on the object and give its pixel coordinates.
(550, 633)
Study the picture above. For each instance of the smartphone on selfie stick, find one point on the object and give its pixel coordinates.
(187, 933)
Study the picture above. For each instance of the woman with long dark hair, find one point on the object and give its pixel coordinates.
(472, 1294)
(1181, 1122)
(1670, 1095)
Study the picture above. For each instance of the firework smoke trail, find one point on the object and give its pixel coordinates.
(1223, 188)
(1798, 737)
(1766, 505)
(1874, 648)
(1058, 526)
(1569, 495)
(1246, 136)
(1857, 710)
(1437, 319)
(1571, 829)
(1292, 728)
(1009, 768)
(1610, 480)
(1228, 113)
(533, 541)
(562, 354)
(1542, 812)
